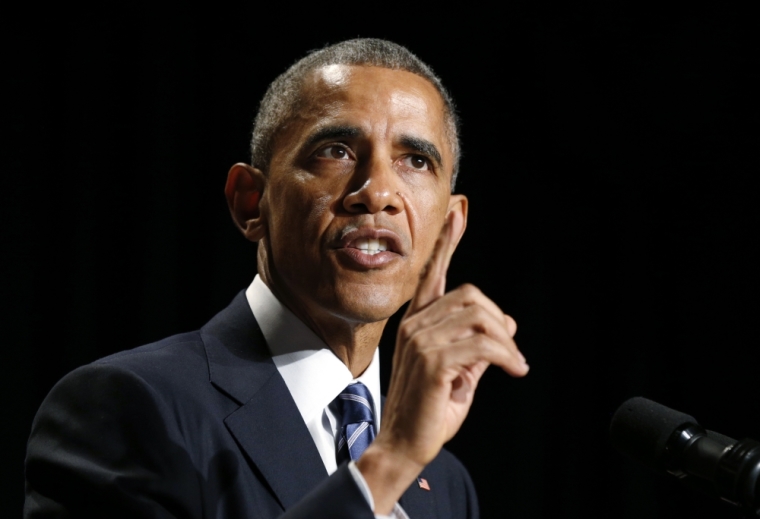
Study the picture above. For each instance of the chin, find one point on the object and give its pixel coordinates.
(367, 303)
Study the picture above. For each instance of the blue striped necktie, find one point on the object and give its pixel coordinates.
(354, 411)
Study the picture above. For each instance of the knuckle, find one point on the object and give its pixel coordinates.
(481, 318)
(470, 291)
(481, 342)
(416, 342)
(406, 331)
(511, 324)
(480, 313)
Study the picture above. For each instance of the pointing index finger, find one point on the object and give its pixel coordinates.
(433, 279)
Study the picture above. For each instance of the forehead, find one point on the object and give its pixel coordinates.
(396, 89)
(382, 102)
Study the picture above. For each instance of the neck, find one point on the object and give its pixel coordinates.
(354, 343)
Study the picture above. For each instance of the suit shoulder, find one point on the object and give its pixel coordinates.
(177, 356)
(157, 372)
(158, 386)
(176, 345)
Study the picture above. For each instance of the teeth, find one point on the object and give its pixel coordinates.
(372, 245)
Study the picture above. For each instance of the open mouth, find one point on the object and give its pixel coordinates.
(371, 246)
(368, 248)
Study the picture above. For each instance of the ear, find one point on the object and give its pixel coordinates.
(460, 204)
(245, 185)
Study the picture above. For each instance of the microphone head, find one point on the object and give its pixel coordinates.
(641, 428)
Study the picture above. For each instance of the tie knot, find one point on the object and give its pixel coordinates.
(355, 404)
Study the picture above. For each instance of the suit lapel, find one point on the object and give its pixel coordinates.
(267, 426)
(270, 430)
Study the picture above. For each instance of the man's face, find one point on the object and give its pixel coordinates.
(357, 192)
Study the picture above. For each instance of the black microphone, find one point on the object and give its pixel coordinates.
(664, 439)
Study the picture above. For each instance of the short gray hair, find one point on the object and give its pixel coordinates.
(284, 94)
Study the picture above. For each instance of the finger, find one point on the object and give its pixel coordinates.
(460, 325)
(476, 349)
(511, 325)
(432, 283)
(455, 301)
(465, 384)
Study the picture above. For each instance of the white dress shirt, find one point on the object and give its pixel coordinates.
(314, 376)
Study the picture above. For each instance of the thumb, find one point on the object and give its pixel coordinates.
(432, 283)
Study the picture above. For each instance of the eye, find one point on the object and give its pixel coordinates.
(417, 162)
(334, 152)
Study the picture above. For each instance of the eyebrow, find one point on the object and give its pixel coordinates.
(332, 132)
(423, 147)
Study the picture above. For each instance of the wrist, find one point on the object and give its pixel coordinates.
(387, 474)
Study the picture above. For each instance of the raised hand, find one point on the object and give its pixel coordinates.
(445, 343)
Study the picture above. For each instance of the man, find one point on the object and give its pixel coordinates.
(349, 196)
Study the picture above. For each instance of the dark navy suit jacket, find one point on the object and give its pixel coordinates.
(199, 425)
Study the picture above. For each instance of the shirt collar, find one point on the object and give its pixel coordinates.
(312, 372)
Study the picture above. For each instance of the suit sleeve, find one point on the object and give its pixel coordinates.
(103, 445)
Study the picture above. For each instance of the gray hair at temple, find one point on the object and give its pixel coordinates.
(283, 95)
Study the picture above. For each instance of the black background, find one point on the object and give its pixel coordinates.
(610, 156)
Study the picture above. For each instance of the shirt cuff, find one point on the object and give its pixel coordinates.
(396, 513)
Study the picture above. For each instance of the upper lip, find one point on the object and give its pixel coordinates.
(392, 239)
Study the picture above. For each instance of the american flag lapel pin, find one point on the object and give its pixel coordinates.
(422, 482)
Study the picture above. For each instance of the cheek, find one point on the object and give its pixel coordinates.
(427, 222)
(299, 216)
(320, 208)
(427, 216)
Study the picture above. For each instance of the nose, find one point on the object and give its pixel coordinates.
(374, 189)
